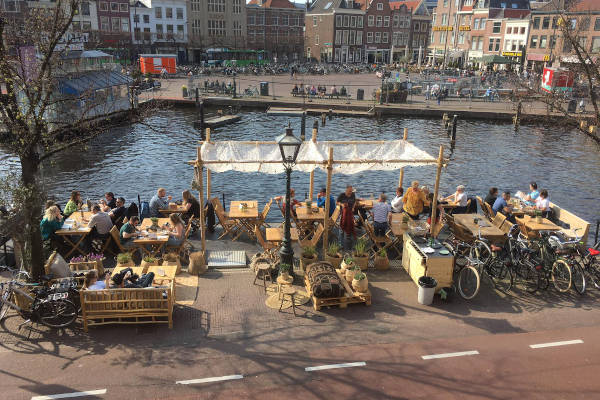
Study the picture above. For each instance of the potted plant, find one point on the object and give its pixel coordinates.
(538, 216)
(308, 206)
(347, 263)
(361, 258)
(405, 219)
(172, 259)
(308, 256)
(99, 260)
(360, 282)
(148, 261)
(333, 255)
(284, 271)
(124, 260)
(154, 226)
(349, 275)
(381, 260)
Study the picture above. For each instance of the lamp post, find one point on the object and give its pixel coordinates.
(289, 145)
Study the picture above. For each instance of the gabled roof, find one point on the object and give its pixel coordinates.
(510, 4)
(272, 4)
(416, 6)
(328, 6)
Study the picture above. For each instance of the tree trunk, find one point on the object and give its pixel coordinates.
(33, 249)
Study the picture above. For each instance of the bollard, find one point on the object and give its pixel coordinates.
(303, 126)
(445, 120)
(454, 123)
(596, 234)
(201, 112)
(316, 124)
(330, 114)
(323, 119)
(224, 207)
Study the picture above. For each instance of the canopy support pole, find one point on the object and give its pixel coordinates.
(402, 169)
(201, 196)
(312, 173)
(208, 182)
(440, 162)
(327, 201)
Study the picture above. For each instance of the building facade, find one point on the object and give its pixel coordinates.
(277, 27)
(377, 31)
(215, 24)
(114, 27)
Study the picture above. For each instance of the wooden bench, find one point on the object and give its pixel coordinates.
(127, 306)
(571, 222)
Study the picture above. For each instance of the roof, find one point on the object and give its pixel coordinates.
(328, 6)
(416, 6)
(272, 3)
(499, 13)
(72, 54)
(93, 80)
(510, 4)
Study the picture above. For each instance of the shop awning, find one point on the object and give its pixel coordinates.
(496, 59)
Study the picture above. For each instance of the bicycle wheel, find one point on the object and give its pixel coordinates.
(468, 282)
(578, 277)
(481, 252)
(501, 275)
(6, 293)
(592, 272)
(561, 275)
(57, 314)
(528, 277)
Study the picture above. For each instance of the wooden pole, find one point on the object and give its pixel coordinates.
(402, 169)
(208, 182)
(327, 202)
(312, 173)
(201, 196)
(440, 162)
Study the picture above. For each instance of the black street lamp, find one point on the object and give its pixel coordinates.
(289, 145)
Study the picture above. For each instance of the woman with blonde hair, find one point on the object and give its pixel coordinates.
(51, 222)
(176, 231)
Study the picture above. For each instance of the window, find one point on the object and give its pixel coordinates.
(506, 45)
(275, 20)
(345, 37)
(114, 7)
(196, 6)
(137, 34)
(338, 20)
(76, 25)
(168, 12)
(377, 37)
(379, 20)
(136, 18)
(522, 30)
(146, 19)
(180, 30)
(104, 24)
(567, 47)
(433, 18)
(543, 41)
(371, 20)
(379, 6)
(337, 54)
(123, 7)
(124, 24)
(585, 24)
(316, 39)
(158, 12)
(353, 21)
(482, 26)
(533, 42)
(385, 38)
(346, 21)
(444, 19)
(597, 24)
(477, 43)
(217, 6)
(573, 23)
(595, 44)
(314, 21)
(169, 31)
(396, 20)
(494, 44)
(415, 42)
(159, 31)
(359, 22)
(359, 37)
(179, 12)
(546, 23)
(416, 27)
(285, 20)
(11, 6)
(476, 24)
(536, 23)
(497, 45)
(386, 20)
(502, 5)
(104, 6)
(352, 39)
(552, 42)
(216, 28)
(85, 8)
(443, 37)
(445, 3)
(461, 37)
(513, 46)
(237, 6)
(496, 28)
(86, 25)
(338, 37)
(369, 37)
(554, 22)
(115, 24)
(251, 19)
(582, 40)
(508, 30)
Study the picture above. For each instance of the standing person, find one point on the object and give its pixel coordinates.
(73, 204)
(414, 200)
(159, 201)
(397, 201)
(348, 197)
(191, 204)
(491, 196)
(321, 200)
(109, 202)
(347, 226)
(382, 215)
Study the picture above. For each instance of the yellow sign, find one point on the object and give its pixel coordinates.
(443, 28)
(547, 57)
(464, 28)
(512, 53)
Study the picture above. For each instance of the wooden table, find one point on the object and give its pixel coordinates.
(487, 230)
(303, 215)
(520, 209)
(178, 209)
(417, 227)
(147, 223)
(366, 204)
(276, 234)
(82, 231)
(152, 246)
(532, 225)
(245, 218)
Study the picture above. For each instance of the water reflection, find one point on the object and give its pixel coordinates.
(133, 160)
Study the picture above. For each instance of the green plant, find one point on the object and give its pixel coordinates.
(283, 268)
(538, 213)
(333, 250)
(154, 220)
(309, 252)
(123, 258)
(308, 203)
(348, 260)
(149, 259)
(405, 219)
(382, 253)
(360, 248)
(359, 276)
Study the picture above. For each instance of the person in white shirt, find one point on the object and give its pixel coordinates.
(543, 203)
(459, 198)
(396, 202)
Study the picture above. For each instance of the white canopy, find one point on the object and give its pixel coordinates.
(348, 157)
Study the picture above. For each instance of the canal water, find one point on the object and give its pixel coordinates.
(135, 160)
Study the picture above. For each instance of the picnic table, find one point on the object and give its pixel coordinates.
(245, 217)
(152, 243)
(532, 225)
(316, 214)
(366, 204)
(173, 209)
(488, 231)
(147, 223)
(73, 227)
(519, 208)
(276, 234)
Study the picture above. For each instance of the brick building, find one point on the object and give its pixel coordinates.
(334, 31)
(277, 27)
(114, 27)
(377, 31)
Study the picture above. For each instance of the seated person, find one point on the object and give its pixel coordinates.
(334, 92)
(191, 204)
(530, 198)
(176, 230)
(109, 202)
(91, 281)
(101, 222)
(51, 222)
(128, 232)
(50, 203)
(458, 198)
(491, 196)
(295, 89)
(73, 204)
(543, 203)
(127, 279)
(501, 206)
(343, 91)
(118, 213)
(321, 200)
(293, 202)
(382, 215)
(414, 200)
(397, 201)
(159, 201)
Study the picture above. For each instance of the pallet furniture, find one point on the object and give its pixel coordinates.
(350, 297)
(577, 227)
(127, 306)
(418, 264)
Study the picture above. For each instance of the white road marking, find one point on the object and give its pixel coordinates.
(69, 395)
(553, 344)
(208, 380)
(447, 355)
(333, 366)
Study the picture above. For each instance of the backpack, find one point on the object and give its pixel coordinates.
(132, 210)
(144, 210)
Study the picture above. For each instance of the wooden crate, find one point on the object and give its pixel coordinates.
(418, 264)
(350, 297)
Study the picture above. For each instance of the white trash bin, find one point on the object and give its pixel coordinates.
(427, 287)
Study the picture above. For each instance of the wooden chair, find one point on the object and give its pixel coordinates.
(230, 227)
(333, 221)
(484, 210)
(114, 234)
(260, 221)
(314, 241)
(490, 212)
(377, 242)
(270, 249)
(498, 220)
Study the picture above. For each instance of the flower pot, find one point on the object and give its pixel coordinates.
(145, 265)
(172, 259)
(349, 275)
(362, 262)
(361, 286)
(285, 276)
(126, 265)
(381, 263)
(539, 219)
(335, 261)
(345, 266)
(305, 261)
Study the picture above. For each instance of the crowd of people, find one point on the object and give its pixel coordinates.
(319, 91)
